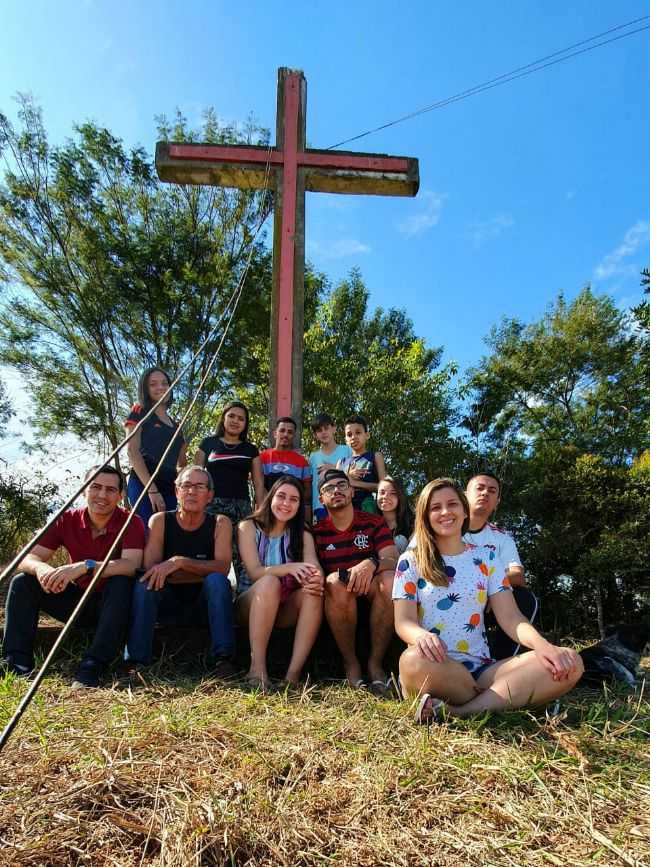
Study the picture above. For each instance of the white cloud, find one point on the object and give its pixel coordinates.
(486, 230)
(337, 249)
(614, 263)
(428, 215)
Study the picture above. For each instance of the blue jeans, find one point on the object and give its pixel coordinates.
(133, 490)
(182, 605)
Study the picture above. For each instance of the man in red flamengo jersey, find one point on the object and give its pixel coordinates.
(359, 557)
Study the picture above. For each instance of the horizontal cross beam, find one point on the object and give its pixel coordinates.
(244, 166)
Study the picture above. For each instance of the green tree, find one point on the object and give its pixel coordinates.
(642, 311)
(24, 507)
(107, 271)
(642, 316)
(561, 408)
(572, 379)
(587, 547)
(6, 412)
(357, 361)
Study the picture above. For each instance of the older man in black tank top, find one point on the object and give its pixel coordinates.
(186, 558)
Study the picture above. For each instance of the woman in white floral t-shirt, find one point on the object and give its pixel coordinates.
(440, 593)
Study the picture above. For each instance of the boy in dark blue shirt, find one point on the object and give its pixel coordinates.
(365, 469)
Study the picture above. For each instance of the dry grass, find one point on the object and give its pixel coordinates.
(201, 774)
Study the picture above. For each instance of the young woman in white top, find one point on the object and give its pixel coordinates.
(441, 589)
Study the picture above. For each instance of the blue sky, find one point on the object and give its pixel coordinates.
(535, 187)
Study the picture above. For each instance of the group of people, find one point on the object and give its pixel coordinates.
(328, 534)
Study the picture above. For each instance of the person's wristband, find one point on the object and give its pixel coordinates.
(374, 561)
(154, 491)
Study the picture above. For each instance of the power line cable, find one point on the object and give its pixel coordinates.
(31, 692)
(34, 541)
(513, 75)
(232, 303)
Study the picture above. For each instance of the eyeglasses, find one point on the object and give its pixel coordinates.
(188, 486)
(337, 486)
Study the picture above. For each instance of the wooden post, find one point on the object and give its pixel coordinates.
(288, 298)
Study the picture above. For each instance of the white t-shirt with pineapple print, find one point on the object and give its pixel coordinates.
(455, 612)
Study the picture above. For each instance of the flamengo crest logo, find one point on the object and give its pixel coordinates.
(361, 541)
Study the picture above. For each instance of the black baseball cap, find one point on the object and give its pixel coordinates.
(330, 475)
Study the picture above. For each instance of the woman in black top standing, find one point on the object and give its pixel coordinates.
(232, 460)
(146, 448)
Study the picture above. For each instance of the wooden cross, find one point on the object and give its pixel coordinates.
(294, 168)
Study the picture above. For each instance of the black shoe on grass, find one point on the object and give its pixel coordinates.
(131, 673)
(223, 668)
(8, 666)
(88, 674)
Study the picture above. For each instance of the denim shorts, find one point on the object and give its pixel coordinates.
(479, 671)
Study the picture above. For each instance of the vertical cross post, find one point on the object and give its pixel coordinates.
(287, 302)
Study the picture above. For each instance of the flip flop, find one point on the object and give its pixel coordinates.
(381, 688)
(357, 684)
(429, 710)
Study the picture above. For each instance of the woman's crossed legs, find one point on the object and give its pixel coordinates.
(514, 682)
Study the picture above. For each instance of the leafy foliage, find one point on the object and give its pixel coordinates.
(373, 363)
(561, 408)
(24, 507)
(573, 378)
(583, 530)
(6, 412)
(642, 316)
(114, 272)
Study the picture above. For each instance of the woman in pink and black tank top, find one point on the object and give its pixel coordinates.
(283, 585)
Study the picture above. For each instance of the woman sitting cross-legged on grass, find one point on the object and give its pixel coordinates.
(440, 592)
(285, 586)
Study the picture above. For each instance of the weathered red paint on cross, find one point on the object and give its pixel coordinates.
(315, 159)
(293, 169)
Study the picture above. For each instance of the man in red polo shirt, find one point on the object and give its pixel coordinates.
(87, 535)
(358, 555)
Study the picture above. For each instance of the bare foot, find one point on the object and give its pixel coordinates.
(354, 674)
(258, 680)
(376, 673)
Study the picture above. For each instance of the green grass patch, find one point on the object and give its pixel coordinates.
(195, 772)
